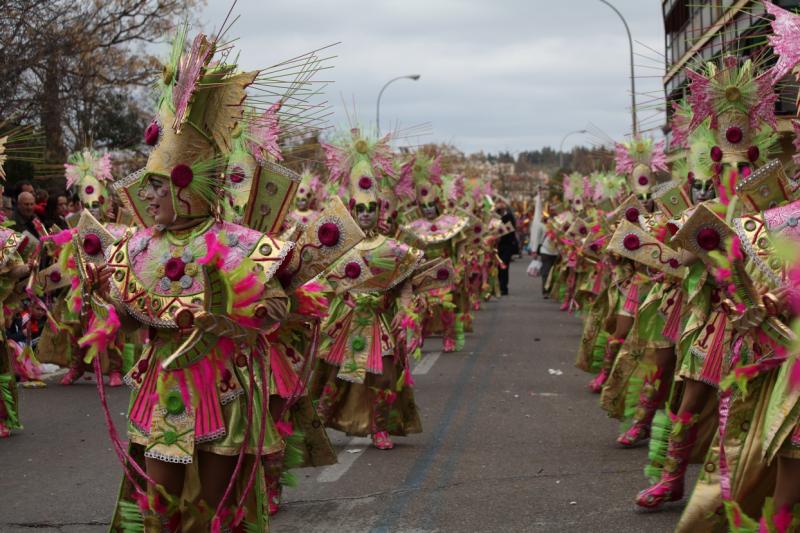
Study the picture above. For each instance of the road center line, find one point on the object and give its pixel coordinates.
(345, 460)
(425, 364)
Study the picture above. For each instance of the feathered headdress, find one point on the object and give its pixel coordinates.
(425, 172)
(639, 159)
(358, 164)
(204, 115)
(88, 163)
(353, 152)
(732, 89)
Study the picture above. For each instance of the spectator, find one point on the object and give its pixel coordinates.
(507, 245)
(546, 253)
(41, 202)
(74, 204)
(24, 214)
(25, 186)
(27, 326)
(54, 212)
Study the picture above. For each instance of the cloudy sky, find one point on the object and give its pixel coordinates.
(495, 74)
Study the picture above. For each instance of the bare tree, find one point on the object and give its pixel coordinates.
(77, 69)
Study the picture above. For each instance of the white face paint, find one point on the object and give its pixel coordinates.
(367, 215)
(703, 190)
(159, 201)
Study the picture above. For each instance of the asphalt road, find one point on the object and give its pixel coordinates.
(513, 441)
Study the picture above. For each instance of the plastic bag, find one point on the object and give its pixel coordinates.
(535, 268)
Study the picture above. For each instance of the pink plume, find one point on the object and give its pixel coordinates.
(191, 68)
(680, 127)
(334, 160)
(699, 99)
(216, 254)
(785, 40)
(61, 238)
(764, 110)
(263, 133)
(72, 173)
(623, 159)
(458, 188)
(405, 187)
(658, 159)
(311, 300)
(102, 168)
(435, 171)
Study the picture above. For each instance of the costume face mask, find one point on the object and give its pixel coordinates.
(642, 181)
(429, 210)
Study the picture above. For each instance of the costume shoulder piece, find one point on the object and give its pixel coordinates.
(755, 234)
(9, 242)
(440, 230)
(633, 242)
(375, 265)
(156, 278)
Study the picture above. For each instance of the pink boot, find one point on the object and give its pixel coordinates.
(653, 393)
(71, 377)
(448, 345)
(382, 441)
(273, 467)
(115, 379)
(381, 414)
(4, 431)
(596, 385)
(612, 349)
(681, 442)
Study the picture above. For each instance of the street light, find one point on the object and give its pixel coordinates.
(633, 82)
(413, 77)
(561, 146)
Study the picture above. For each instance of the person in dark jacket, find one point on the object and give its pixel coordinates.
(507, 245)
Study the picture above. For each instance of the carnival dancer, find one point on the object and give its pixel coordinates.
(739, 104)
(205, 291)
(610, 188)
(88, 173)
(363, 382)
(438, 233)
(12, 269)
(638, 159)
(761, 459)
(16, 260)
(292, 348)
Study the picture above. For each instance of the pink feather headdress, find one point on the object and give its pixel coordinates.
(731, 88)
(785, 40)
(88, 163)
(642, 151)
(263, 134)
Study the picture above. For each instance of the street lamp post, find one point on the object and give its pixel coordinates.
(561, 146)
(413, 77)
(633, 82)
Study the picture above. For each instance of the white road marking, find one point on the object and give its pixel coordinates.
(345, 459)
(425, 364)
